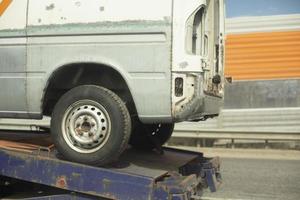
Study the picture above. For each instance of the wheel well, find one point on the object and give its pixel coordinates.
(72, 75)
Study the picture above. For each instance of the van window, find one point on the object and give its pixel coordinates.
(195, 32)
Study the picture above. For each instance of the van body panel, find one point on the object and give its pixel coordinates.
(13, 60)
(144, 41)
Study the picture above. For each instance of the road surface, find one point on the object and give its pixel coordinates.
(259, 179)
(256, 174)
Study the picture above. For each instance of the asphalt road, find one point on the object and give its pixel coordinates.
(261, 179)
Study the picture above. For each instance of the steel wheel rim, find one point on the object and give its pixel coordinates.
(86, 126)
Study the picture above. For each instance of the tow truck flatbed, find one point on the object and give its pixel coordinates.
(176, 174)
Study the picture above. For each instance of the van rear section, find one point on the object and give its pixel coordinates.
(198, 51)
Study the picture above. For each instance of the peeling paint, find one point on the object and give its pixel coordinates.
(101, 27)
(12, 32)
(90, 28)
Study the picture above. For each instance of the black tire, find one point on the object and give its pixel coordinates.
(150, 136)
(104, 119)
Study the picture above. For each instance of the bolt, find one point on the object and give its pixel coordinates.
(90, 134)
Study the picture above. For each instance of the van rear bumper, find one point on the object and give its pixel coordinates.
(200, 107)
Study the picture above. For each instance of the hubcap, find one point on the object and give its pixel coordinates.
(86, 126)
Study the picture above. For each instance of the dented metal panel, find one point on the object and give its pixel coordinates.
(197, 56)
(135, 44)
(140, 40)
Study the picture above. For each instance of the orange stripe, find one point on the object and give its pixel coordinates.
(265, 77)
(266, 60)
(4, 5)
(262, 54)
(264, 44)
(271, 55)
(259, 35)
(234, 42)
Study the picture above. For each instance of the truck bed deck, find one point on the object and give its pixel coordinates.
(176, 174)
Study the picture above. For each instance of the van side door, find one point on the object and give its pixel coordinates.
(13, 14)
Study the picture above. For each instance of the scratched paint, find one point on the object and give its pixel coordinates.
(68, 11)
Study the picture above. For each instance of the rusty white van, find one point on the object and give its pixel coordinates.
(111, 72)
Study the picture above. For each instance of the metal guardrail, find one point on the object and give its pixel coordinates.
(235, 134)
(246, 124)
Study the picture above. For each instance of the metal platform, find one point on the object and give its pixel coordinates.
(137, 175)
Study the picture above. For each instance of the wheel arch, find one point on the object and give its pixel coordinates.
(73, 74)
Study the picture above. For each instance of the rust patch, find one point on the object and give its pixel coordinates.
(61, 182)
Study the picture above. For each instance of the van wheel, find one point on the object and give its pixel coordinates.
(91, 125)
(148, 136)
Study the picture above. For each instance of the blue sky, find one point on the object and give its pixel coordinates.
(238, 8)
